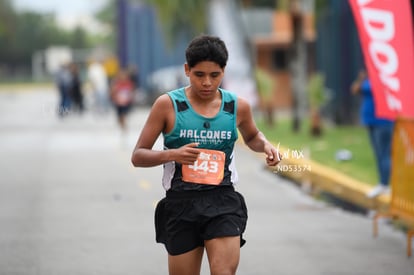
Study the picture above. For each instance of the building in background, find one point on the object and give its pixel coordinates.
(332, 48)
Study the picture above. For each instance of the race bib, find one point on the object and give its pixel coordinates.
(123, 97)
(207, 169)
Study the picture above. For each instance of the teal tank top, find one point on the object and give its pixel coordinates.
(215, 133)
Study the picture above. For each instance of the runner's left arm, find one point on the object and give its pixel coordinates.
(252, 137)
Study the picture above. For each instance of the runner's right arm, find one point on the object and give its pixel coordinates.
(162, 113)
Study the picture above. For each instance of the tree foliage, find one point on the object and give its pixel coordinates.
(24, 33)
(108, 17)
(7, 18)
(260, 3)
(181, 16)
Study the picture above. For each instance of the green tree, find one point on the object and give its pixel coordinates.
(260, 3)
(181, 16)
(7, 18)
(317, 98)
(320, 7)
(79, 38)
(108, 17)
(30, 32)
(7, 27)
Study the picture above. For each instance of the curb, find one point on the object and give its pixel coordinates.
(311, 175)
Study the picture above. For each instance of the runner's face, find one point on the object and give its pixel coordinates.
(205, 78)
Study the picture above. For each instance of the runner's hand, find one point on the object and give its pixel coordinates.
(273, 157)
(187, 154)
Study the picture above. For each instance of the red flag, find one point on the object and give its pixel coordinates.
(385, 30)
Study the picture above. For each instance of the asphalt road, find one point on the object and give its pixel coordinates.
(72, 204)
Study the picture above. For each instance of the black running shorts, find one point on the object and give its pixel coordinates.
(184, 220)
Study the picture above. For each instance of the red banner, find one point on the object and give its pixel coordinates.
(385, 30)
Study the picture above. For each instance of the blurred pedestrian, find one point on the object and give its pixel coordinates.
(111, 67)
(76, 91)
(122, 96)
(380, 133)
(200, 123)
(63, 83)
(134, 77)
(99, 83)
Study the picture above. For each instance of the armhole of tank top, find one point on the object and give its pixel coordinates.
(227, 95)
(235, 98)
(175, 113)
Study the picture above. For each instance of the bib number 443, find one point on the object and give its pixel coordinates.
(207, 169)
(205, 165)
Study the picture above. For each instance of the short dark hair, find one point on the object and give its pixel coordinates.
(206, 48)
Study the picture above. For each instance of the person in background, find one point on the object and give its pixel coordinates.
(111, 67)
(99, 83)
(63, 84)
(122, 96)
(200, 124)
(76, 91)
(380, 133)
(134, 77)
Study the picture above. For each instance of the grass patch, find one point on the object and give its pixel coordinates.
(324, 148)
(24, 86)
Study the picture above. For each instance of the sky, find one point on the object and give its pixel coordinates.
(69, 14)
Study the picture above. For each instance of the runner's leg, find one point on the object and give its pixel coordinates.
(186, 264)
(223, 255)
